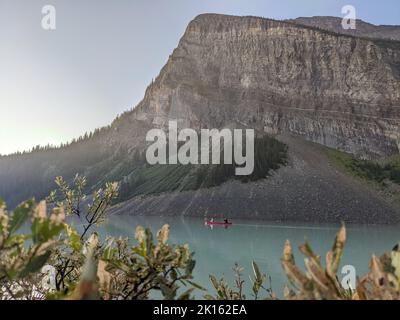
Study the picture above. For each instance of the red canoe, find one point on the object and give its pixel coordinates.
(210, 223)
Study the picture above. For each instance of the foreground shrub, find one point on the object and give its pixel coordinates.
(23, 255)
(140, 271)
(382, 282)
(317, 282)
(56, 261)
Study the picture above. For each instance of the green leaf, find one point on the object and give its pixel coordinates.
(109, 250)
(74, 239)
(174, 275)
(196, 285)
(186, 294)
(168, 292)
(214, 282)
(20, 215)
(35, 264)
(257, 274)
(149, 240)
(190, 266)
(395, 255)
(44, 230)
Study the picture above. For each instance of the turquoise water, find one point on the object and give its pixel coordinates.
(217, 249)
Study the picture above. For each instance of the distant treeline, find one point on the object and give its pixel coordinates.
(269, 155)
(49, 147)
(31, 174)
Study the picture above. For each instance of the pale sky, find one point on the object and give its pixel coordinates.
(56, 85)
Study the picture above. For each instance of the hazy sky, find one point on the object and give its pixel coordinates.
(56, 85)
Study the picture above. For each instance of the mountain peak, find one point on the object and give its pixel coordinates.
(363, 29)
(325, 23)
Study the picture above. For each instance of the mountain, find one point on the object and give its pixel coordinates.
(363, 29)
(284, 78)
(340, 91)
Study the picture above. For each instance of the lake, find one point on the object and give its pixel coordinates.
(217, 249)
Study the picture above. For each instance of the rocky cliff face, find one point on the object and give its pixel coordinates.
(363, 29)
(337, 90)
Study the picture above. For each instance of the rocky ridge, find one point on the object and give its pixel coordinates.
(337, 90)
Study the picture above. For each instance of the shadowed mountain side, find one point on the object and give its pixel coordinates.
(310, 189)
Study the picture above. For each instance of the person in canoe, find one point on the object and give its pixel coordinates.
(211, 222)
